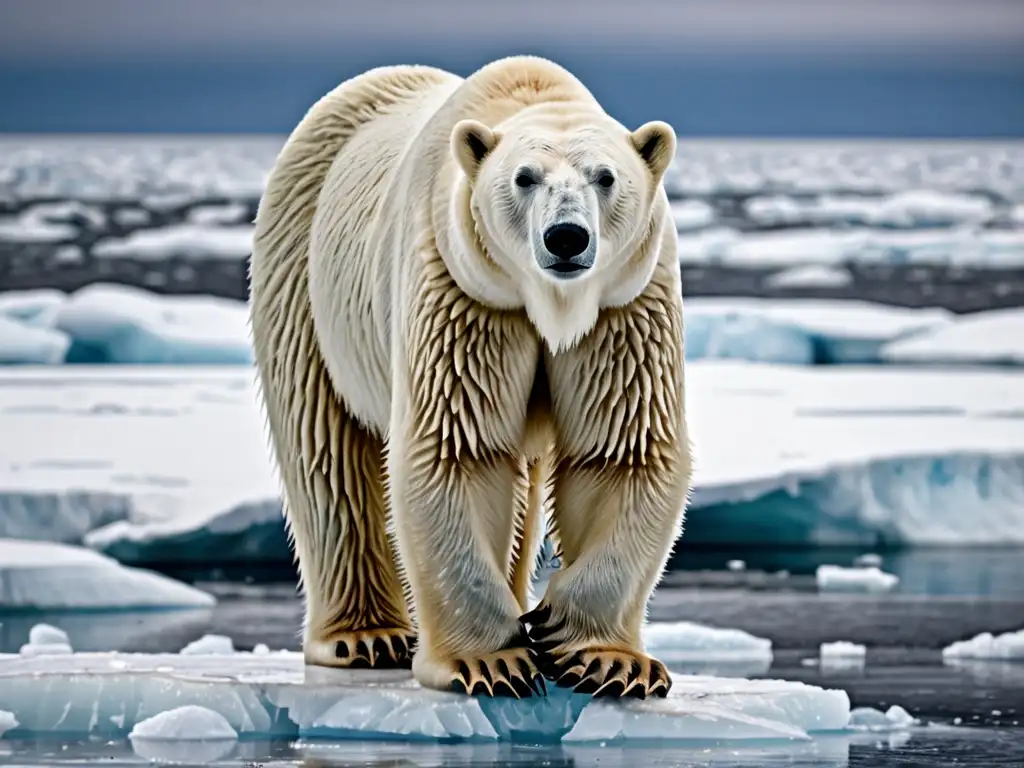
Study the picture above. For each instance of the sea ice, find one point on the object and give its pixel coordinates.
(44, 576)
(992, 337)
(908, 209)
(218, 215)
(799, 331)
(841, 655)
(28, 306)
(868, 558)
(121, 324)
(986, 646)
(692, 214)
(182, 241)
(810, 276)
(189, 734)
(836, 578)
(108, 695)
(7, 722)
(21, 343)
(681, 641)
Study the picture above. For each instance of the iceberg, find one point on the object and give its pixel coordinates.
(994, 337)
(190, 735)
(800, 331)
(120, 324)
(38, 576)
(109, 695)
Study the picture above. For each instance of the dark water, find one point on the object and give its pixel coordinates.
(973, 713)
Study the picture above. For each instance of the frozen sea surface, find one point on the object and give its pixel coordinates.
(164, 464)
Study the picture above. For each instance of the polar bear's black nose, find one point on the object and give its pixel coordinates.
(566, 241)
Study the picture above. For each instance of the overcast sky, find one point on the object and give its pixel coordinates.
(710, 67)
(101, 28)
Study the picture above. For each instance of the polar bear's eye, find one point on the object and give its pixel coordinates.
(525, 180)
(605, 179)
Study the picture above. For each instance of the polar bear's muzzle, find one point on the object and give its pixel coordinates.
(568, 250)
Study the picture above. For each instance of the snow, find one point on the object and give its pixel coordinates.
(209, 645)
(836, 578)
(799, 331)
(841, 655)
(108, 695)
(992, 337)
(1008, 646)
(184, 241)
(23, 344)
(121, 324)
(28, 306)
(173, 464)
(810, 276)
(45, 576)
(206, 215)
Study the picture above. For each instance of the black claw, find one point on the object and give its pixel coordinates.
(545, 646)
(612, 690)
(480, 689)
(399, 647)
(503, 689)
(382, 649)
(636, 692)
(593, 667)
(463, 671)
(362, 649)
(539, 685)
(457, 686)
(485, 673)
(360, 662)
(521, 687)
(587, 685)
(341, 649)
(569, 680)
(540, 614)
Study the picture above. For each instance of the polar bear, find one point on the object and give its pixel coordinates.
(466, 310)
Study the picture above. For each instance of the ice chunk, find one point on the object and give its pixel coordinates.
(218, 215)
(210, 645)
(908, 209)
(121, 324)
(686, 641)
(190, 722)
(841, 655)
(189, 734)
(21, 343)
(867, 719)
(44, 640)
(182, 241)
(736, 565)
(799, 331)
(46, 576)
(810, 276)
(1004, 647)
(836, 578)
(692, 214)
(107, 695)
(993, 337)
(7, 722)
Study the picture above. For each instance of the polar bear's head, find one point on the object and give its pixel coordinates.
(557, 208)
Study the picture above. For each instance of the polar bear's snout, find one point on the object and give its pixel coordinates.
(567, 249)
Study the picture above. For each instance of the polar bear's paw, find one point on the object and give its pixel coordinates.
(389, 648)
(507, 673)
(608, 672)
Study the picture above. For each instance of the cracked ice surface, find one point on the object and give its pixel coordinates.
(107, 694)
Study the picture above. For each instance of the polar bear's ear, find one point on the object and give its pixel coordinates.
(656, 143)
(472, 141)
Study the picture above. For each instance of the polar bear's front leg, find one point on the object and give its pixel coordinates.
(620, 487)
(462, 385)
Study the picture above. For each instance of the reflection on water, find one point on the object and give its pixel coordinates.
(932, 747)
